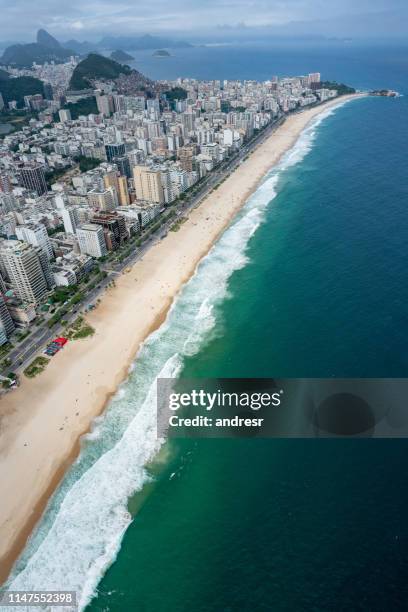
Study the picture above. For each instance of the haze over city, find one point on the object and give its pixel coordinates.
(214, 20)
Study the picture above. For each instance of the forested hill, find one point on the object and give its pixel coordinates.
(96, 67)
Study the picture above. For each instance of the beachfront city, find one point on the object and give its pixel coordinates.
(113, 187)
(203, 226)
(93, 175)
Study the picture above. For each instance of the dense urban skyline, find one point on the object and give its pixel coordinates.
(83, 180)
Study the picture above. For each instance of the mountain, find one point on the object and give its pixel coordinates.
(99, 68)
(141, 42)
(124, 42)
(7, 43)
(46, 49)
(46, 40)
(161, 53)
(121, 56)
(96, 67)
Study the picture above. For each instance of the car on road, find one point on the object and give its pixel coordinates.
(51, 350)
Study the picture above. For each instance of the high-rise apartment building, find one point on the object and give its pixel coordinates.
(136, 157)
(123, 192)
(153, 129)
(185, 155)
(123, 165)
(33, 178)
(5, 318)
(103, 200)
(148, 184)
(70, 220)
(188, 121)
(92, 240)
(36, 235)
(113, 150)
(153, 106)
(119, 184)
(24, 269)
(5, 184)
(46, 267)
(105, 105)
(3, 335)
(48, 91)
(119, 103)
(114, 229)
(314, 77)
(110, 179)
(64, 115)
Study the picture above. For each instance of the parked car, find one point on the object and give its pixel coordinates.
(51, 351)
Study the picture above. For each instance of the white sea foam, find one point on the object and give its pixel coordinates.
(81, 532)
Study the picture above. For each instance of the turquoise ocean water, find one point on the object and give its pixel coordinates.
(309, 280)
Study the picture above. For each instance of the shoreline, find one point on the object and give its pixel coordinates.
(41, 422)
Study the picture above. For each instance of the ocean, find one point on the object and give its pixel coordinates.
(309, 280)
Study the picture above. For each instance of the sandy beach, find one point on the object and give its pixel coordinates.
(42, 421)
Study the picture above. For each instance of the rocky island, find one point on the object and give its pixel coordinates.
(161, 53)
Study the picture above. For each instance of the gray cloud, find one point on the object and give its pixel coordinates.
(80, 19)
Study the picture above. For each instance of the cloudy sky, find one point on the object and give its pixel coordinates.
(88, 19)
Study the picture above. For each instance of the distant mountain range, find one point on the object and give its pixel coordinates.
(80, 48)
(129, 43)
(141, 42)
(47, 48)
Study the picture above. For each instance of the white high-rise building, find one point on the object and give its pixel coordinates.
(23, 266)
(59, 202)
(36, 235)
(70, 220)
(91, 240)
